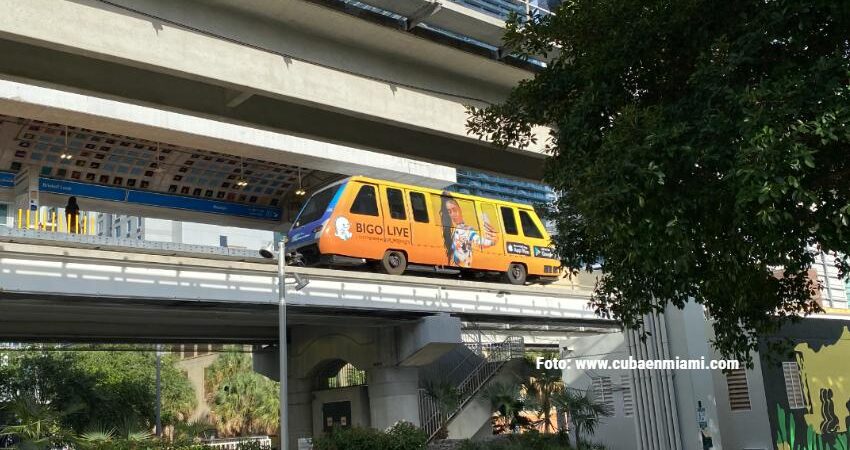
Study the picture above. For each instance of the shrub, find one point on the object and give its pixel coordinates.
(406, 436)
(352, 439)
(401, 436)
(526, 441)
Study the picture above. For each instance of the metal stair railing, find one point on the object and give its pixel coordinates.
(495, 357)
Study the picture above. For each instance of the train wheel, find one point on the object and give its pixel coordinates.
(516, 274)
(394, 262)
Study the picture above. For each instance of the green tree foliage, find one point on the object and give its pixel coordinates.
(539, 387)
(508, 404)
(584, 412)
(697, 147)
(243, 402)
(105, 389)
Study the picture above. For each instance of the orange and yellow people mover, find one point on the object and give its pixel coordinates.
(360, 220)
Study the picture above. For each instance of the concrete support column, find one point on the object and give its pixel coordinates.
(300, 410)
(393, 396)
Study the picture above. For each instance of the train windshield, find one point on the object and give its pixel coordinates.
(315, 207)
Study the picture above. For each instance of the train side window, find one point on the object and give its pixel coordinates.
(529, 228)
(488, 219)
(509, 220)
(419, 207)
(366, 202)
(395, 200)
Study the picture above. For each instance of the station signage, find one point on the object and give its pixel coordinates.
(7, 180)
(73, 188)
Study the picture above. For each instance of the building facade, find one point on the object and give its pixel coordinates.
(785, 401)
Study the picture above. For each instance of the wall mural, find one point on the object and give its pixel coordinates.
(809, 403)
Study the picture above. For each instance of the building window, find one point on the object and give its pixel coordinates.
(365, 203)
(222, 241)
(793, 386)
(739, 393)
(118, 231)
(4, 212)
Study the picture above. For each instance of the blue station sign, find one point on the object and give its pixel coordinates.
(85, 190)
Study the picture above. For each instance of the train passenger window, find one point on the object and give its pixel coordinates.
(509, 220)
(395, 200)
(419, 207)
(489, 222)
(529, 228)
(454, 212)
(366, 203)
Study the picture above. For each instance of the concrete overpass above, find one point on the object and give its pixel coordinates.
(305, 69)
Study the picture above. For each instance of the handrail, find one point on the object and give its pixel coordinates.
(39, 219)
(497, 356)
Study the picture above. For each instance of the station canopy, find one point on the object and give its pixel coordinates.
(125, 164)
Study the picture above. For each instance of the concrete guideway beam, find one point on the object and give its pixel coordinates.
(54, 105)
(47, 270)
(190, 54)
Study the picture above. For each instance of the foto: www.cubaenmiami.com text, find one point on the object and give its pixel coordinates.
(639, 364)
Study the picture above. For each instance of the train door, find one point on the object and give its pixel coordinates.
(458, 225)
(490, 243)
(514, 244)
(427, 239)
(366, 236)
(535, 237)
(397, 233)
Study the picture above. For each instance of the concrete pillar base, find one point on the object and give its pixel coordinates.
(394, 396)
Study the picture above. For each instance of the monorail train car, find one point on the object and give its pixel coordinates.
(362, 220)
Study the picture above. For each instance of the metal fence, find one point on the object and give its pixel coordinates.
(233, 443)
(503, 8)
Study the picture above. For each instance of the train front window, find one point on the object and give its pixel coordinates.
(316, 206)
(529, 228)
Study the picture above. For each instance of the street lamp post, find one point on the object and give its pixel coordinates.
(284, 392)
(158, 429)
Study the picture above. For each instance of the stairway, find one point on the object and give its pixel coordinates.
(469, 374)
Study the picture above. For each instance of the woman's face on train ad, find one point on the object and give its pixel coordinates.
(454, 212)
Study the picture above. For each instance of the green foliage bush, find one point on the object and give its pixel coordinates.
(401, 436)
(528, 441)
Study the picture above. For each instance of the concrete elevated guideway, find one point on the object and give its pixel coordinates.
(143, 293)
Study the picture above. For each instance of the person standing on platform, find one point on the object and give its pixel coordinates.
(72, 212)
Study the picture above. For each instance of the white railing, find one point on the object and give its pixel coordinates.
(233, 443)
(503, 8)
